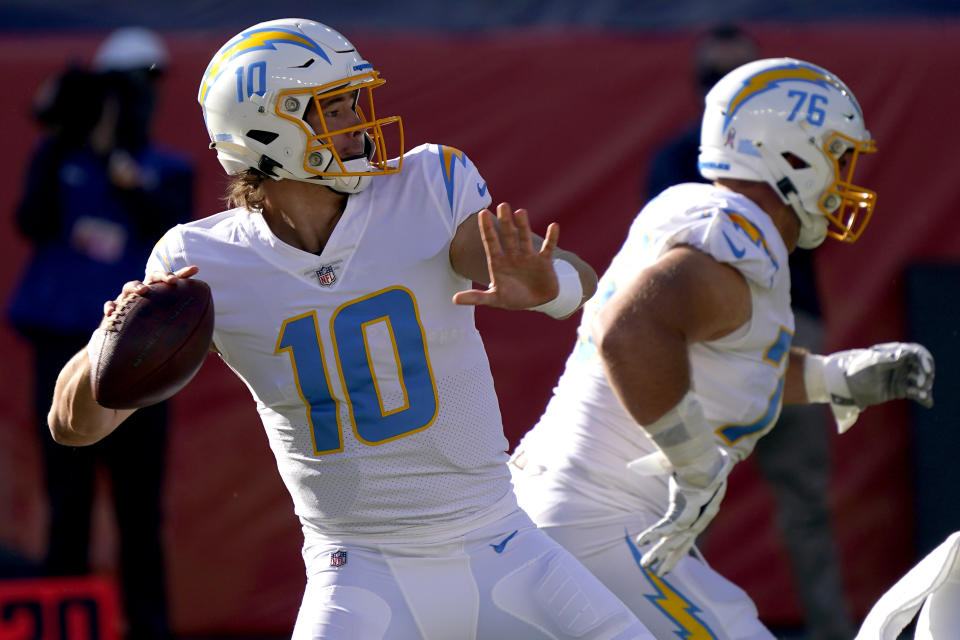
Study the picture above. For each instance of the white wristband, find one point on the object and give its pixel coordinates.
(813, 379)
(682, 433)
(569, 295)
(684, 438)
(824, 380)
(820, 375)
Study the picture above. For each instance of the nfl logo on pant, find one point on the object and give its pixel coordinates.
(338, 558)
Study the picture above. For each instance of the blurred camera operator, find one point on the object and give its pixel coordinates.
(97, 197)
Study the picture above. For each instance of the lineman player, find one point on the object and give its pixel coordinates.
(683, 358)
(332, 283)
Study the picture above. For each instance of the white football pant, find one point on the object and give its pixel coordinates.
(504, 580)
(692, 602)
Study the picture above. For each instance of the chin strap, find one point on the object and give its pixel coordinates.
(266, 166)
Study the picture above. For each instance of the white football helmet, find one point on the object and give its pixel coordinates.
(791, 124)
(256, 92)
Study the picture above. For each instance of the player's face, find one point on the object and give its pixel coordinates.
(339, 113)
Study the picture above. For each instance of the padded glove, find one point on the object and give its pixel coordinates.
(855, 379)
(696, 491)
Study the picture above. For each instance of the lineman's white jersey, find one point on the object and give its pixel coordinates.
(586, 433)
(373, 387)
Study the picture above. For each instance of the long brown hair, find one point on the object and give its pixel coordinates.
(244, 190)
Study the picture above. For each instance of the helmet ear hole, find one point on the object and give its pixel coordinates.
(263, 137)
(795, 161)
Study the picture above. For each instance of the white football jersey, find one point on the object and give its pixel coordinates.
(738, 379)
(373, 387)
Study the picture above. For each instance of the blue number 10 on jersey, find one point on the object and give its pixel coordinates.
(390, 313)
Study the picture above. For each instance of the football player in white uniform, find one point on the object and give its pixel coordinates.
(932, 586)
(683, 358)
(341, 285)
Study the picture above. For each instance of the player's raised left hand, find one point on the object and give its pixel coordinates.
(520, 275)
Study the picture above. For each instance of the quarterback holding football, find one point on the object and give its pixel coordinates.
(341, 284)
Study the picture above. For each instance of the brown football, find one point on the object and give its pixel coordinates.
(152, 345)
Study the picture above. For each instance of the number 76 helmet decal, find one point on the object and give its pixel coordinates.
(259, 87)
(797, 127)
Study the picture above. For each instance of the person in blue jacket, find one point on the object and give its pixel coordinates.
(98, 195)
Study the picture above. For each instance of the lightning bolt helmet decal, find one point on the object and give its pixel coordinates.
(255, 40)
(772, 78)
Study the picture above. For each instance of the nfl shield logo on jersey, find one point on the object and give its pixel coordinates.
(326, 275)
(338, 558)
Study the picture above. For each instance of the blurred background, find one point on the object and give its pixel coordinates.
(560, 104)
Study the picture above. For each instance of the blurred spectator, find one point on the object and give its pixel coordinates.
(98, 196)
(794, 456)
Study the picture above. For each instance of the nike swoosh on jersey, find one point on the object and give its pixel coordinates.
(482, 188)
(737, 251)
(500, 546)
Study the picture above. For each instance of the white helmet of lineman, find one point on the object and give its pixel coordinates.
(256, 93)
(797, 127)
